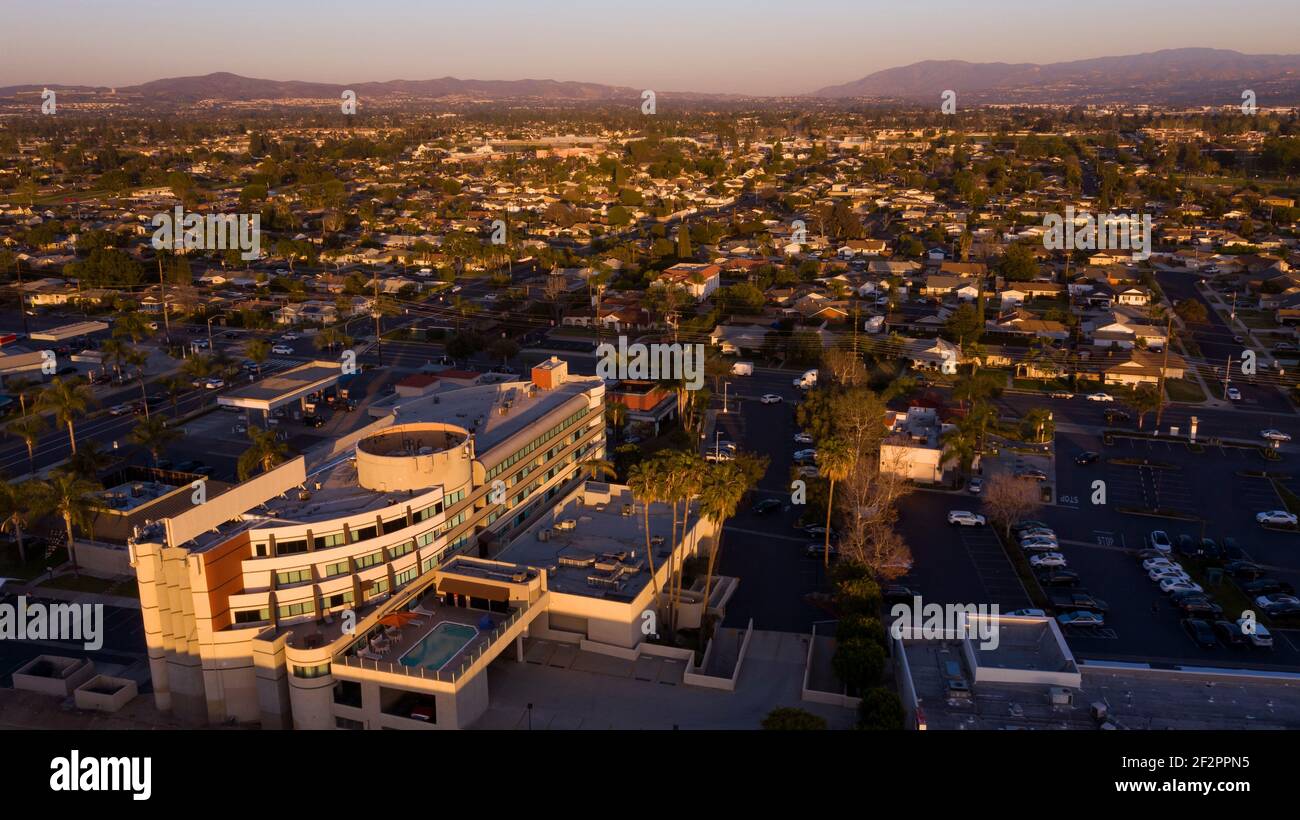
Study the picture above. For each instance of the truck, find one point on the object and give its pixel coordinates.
(807, 380)
(742, 369)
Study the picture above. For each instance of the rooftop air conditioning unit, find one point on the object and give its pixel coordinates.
(544, 534)
(1060, 696)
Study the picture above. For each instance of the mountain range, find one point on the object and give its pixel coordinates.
(1178, 76)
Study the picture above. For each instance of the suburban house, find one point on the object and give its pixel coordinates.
(1142, 367)
(699, 280)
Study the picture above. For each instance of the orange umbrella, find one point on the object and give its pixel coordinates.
(398, 618)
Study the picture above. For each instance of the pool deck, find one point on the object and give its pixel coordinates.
(433, 612)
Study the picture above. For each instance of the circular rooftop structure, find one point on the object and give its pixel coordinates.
(415, 457)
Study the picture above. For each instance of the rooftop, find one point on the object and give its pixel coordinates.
(592, 547)
(281, 388)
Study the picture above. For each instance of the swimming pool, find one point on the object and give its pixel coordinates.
(439, 646)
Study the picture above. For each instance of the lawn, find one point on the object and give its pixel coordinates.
(1184, 390)
(88, 583)
(36, 560)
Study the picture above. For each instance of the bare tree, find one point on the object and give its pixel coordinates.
(1009, 499)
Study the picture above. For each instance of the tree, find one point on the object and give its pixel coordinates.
(73, 499)
(881, 710)
(1019, 264)
(858, 662)
(1191, 311)
(67, 400)
(506, 348)
(965, 325)
(29, 429)
(723, 486)
(175, 386)
(258, 350)
(153, 434)
(20, 503)
(1037, 425)
(644, 482)
(834, 460)
(1009, 499)
(1145, 400)
(790, 719)
(597, 468)
(265, 452)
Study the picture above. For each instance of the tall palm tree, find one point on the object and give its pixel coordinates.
(72, 498)
(598, 468)
(266, 452)
(175, 386)
(19, 386)
(154, 435)
(114, 350)
(90, 460)
(722, 487)
(20, 503)
(29, 429)
(834, 460)
(644, 483)
(67, 400)
(616, 414)
(689, 469)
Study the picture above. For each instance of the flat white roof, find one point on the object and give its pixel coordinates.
(72, 331)
(282, 388)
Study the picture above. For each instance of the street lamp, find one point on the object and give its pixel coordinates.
(725, 385)
(212, 348)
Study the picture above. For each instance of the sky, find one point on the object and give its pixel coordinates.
(721, 46)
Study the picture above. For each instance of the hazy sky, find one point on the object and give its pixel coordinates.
(743, 46)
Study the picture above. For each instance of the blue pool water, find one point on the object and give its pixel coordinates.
(435, 649)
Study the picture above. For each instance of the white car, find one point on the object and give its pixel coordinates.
(1100, 397)
(282, 350)
(802, 438)
(1258, 634)
(214, 384)
(805, 455)
(119, 409)
(1160, 541)
(1276, 517)
(1234, 394)
(1161, 573)
(1160, 563)
(1171, 585)
(1047, 559)
(1267, 602)
(289, 337)
(965, 518)
(770, 398)
(1030, 534)
(1040, 546)
(1274, 435)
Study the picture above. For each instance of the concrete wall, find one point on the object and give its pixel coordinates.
(124, 691)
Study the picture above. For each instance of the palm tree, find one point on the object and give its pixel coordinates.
(20, 503)
(1145, 400)
(959, 444)
(19, 386)
(265, 452)
(72, 498)
(154, 435)
(29, 429)
(114, 351)
(258, 351)
(616, 414)
(689, 469)
(834, 460)
(722, 487)
(175, 385)
(644, 483)
(90, 460)
(67, 400)
(198, 367)
(598, 467)
(131, 324)
(1039, 420)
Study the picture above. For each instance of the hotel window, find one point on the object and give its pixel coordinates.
(293, 576)
(395, 524)
(424, 539)
(370, 560)
(294, 610)
(252, 616)
(378, 588)
(291, 547)
(401, 549)
(311, 671)
(404, 577)
(261, 550)
(364, 534)
(337, 568)
(334, 539)
(340, 599)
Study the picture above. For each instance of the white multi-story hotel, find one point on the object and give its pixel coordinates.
(370, 585)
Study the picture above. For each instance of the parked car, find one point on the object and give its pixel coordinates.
(1234, 394)
(1159, 541)
(1276, 518)
(1161, 563)
(1032, 473)
(214, 384)
(1200, 608)
(1175, 584)
(803, 438)
(1201, 633)
(1081, 618)
(965, 518)
(819, 531)
(1057, 577)
(1047, 559)
(1040, 545)
(1267, 586)
(1232, 551)
(1027, 613)
(119, 409)
(767, 505)
(770, 398)
(1100, 397)
(1276, 600)
(1086, 457)
(975, 486)
(1229, 632)
(1274, 435)
(1161, 573)
(1061, 394)
(1079, 599)
(1030, 524)
(282, 350)
(1186, 545)
(1247, 570)
(290, 337)
(1257, 633)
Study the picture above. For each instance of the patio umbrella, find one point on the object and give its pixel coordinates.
(398, 618)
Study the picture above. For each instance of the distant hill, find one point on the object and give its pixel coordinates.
(1185, 75)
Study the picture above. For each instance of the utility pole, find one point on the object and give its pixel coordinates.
(162, 285)
(1160, 387)
(22, 295)
(375, 312)
(1227, 372)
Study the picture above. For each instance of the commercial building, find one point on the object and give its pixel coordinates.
(371, 582)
